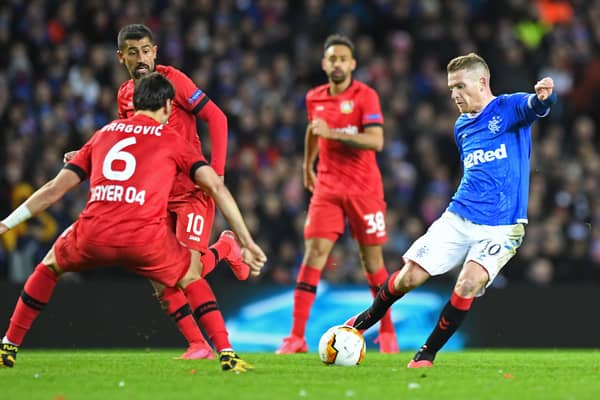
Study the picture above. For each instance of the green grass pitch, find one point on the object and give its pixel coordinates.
(154, 374)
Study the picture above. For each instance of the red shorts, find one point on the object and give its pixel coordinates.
(194, 216)
(327, 214)
(165, 262)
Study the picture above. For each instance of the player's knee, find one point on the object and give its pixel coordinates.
(469, 286)
(411, 276)
(193, 273)
(316, 254)
(407, 283)
(49, 261)
(186, 280)
(55, 270)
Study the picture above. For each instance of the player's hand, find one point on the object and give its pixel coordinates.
(320, 128)
(544, 88)
(69, 156)
(309, 179)
(254, 257)
(3, 228)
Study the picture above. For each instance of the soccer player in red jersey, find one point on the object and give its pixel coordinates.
(191, 209)
(126, 214)
(345, 129)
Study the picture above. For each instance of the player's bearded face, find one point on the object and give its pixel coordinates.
(337, 75)
(139, 57)
(338, 63)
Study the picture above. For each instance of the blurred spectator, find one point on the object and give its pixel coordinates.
(541, 272)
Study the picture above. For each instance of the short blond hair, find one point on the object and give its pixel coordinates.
(470, 61)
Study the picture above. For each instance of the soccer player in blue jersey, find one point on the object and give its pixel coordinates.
(484, 223)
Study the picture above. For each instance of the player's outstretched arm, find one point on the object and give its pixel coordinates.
(41, 199)
(211, 183)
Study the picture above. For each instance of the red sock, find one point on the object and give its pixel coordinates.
(376, 280)
(460, 303)
(180, 312)
(209, 261)
(220, 247)
(206, 311)
(393, 291)
(450, 319)
(214, 254)
(36, 293)
(304, 297)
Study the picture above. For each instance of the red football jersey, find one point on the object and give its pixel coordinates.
(342, 168)
(133, 163)
(188, 101)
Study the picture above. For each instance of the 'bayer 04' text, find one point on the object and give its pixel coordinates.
(117, 193)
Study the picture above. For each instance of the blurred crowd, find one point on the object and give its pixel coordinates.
(256, 59)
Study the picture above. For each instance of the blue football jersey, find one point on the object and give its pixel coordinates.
(495, 147)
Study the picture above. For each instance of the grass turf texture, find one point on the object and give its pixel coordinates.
(154, 374)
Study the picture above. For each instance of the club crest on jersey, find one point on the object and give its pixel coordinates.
(421, 252)
(494, 124)
(346, 106)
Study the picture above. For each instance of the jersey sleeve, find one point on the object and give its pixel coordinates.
(371, 109)
(187, 94)
(81, 164)
(196, 102)
(523, 106)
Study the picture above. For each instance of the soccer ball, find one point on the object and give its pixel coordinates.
(342, 345)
